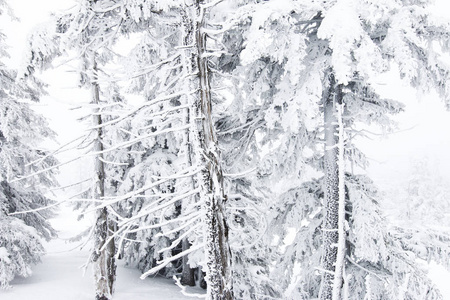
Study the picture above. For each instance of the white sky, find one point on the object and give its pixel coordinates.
(423, 134)
(391, 158)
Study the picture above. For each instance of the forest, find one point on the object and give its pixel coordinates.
(220, 147)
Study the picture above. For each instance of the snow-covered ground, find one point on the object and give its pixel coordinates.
(60, 275)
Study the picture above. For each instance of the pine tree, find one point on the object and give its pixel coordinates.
(358, 44)
(169, 197)
(189, 89)
(338, 62)
(163, 153)
(90, 30)
(26, 172)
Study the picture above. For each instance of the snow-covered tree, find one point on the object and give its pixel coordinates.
(365, 46)
(176, 195)
(418, 211)
(23, 163)
(87, 32)
(327, 74)
(297, 88)
(423, 199)
(92, 30)
(182, 91)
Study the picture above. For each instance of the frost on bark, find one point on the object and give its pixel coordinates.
(332, 227)
(205, 148)
(103, 255)
(187, 273)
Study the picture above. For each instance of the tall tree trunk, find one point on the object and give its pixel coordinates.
(103, 259)
(332, 227)
(205, 147)
(187, 273)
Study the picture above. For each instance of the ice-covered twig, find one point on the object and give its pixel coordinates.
(70, 185)
(183, 289)
(170, 259)
(157, 225)
(180, 238)
(146, 104)
(240, 175)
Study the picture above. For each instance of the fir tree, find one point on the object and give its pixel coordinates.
(337, 66)
(90, 30)
(26, 172)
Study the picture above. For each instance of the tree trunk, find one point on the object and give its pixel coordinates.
(332, 227)
(210, 178)
(103, 259)
(187, 273)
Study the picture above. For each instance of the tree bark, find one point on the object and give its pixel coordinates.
(103, 259)
(332, 277)
(205, 147)
(187, 273)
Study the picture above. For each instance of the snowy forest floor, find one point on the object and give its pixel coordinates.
(60, 275)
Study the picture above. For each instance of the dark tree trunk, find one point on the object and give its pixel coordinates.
(331, 97)
(187, 273)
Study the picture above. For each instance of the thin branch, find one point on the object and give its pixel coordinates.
(166, 204)
(364, 269)
(158, 225)
(170, 259)
(146, 104)
(183, 289)
(111, 162)
(240, 175)
(138, 139)
(148, 69)
(210, 4)
(44, 170)
(70, 185)
(181, 237)
(54, 152)
(36, 209)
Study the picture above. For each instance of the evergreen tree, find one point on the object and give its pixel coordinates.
(183, 83)
(298, 88)
(172, 196)
(26, 172)
(327, 73)
(90, 30)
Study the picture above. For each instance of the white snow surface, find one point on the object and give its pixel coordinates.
(60, 275)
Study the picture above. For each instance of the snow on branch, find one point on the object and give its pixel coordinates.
(70, 185)
(57, 151)
(157, 225)
(36, 209)
(149, 69)
(181, 237)
(166, 204)
(138, 139)
(240, 175)
(111, 162)
(379, 276)
(183, 289)
(109, 9)
(168, 260)
(146, 104)
(210, 4)
(116, 199)
(44, 170)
